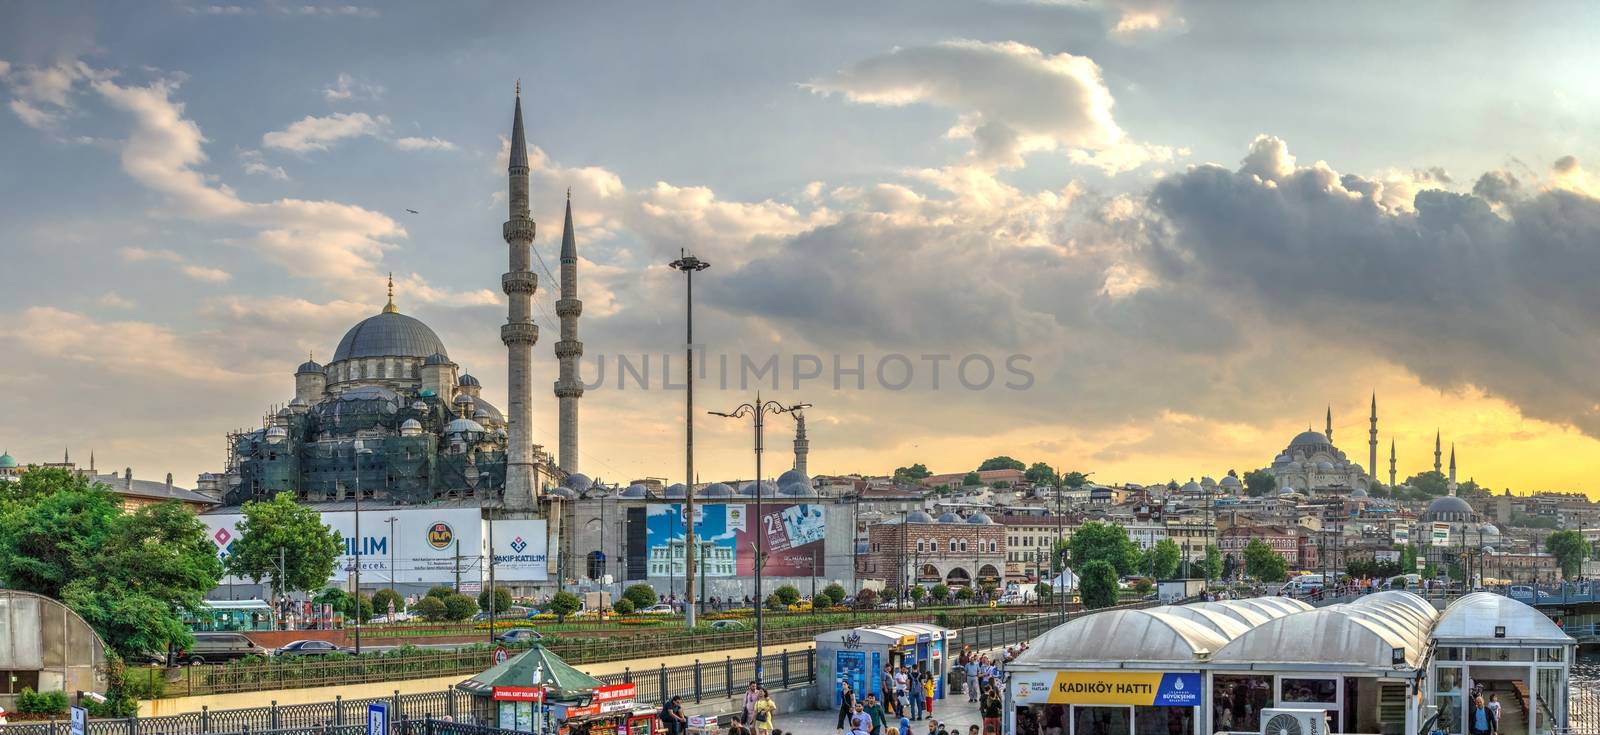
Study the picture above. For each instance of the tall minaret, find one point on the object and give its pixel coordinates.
(1452, 469)
(1372, 444)
(1329, 431)
(519, 333)
(1436, 466)
(802, 445)
(1391, 463)
(569, 387)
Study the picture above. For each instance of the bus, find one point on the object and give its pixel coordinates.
(232, 616)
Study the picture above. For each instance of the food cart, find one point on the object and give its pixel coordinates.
(537, 692)
(859, 655)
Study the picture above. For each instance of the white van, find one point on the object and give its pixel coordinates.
(1303, 584)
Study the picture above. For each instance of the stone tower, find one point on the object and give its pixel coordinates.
(1329, 430)
(569, 387)
(1436, 466)
(519, 333)
(1391, 462)
(802, 446)
(1372, 444)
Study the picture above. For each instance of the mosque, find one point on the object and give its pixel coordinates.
(1311, 464)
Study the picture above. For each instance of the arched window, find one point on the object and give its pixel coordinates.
(952, 545)
(963, 544)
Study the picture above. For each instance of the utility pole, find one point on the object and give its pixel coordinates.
(491, 580)
(282, 573)
(393, 542)
(905, 531)
(690, 265)
(360, 450)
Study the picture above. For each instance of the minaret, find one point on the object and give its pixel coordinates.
(1329, 430)
(802, 445)
(1372, 443)
(519, 333)
(1391, 462)
(569, 387)
(1452, 470)
(1436, 467)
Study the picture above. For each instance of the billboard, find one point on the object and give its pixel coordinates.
(726, 534)
(1441, 534)
(423, 546)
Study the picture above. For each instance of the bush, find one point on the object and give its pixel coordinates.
(788, 594)
(835, 593)
(623, 606)
(431, 609)
(382, 598)
(940, 592)
(443, 592)
(918, 592)
(459, 607)
(502, 600)
(775, 603)
(1097, 584)
(965, 594)
(30, 702)
(641, 595)
(565, 603)
(866, 599)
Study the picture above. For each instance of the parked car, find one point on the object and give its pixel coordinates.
(520, 635)
(312, 647)
(212, 648)
(727, 626)
(897, 605)
(661, 609)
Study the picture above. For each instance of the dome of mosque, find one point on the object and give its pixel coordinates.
(636, 490)
(466, 379)
(309, 366)
(390, 334)
(798, 490)
(717, 490)
(1325, 466)
(792, 477)
(277, 434)
(1191, 487)
(918, 516)
(1489, 529)
(7, 461)
(1230, 482)
(1309, 439)
(1207, 482)
(579, 482)
(410, 427)
(675, 491)
(1446, 505)
(949, 517)
(480, 414)
(979, 519)
(437, 358)
(1359, 492)
(461, 426)
(767, 489)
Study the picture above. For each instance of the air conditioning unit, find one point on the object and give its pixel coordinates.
(1294, 721)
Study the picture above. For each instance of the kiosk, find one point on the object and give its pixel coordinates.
(537, 692)
(859, 656)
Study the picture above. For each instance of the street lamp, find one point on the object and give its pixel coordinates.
(360, 450)
(691, 265)
(759, 410)
(392, 543)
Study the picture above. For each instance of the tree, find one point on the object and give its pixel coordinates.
(1143, 586)
(1043, 590)
(283, 530)
(443, 592)
(1570, 549)
(1001, 462)
(970, 479)
(1074, 480)
(642, 595)
(1259, 482)
(623, 606)
(384, 598)
(1430, 483)
(1097, 584)
(1261, 562)
(502, 600)
(911, 475)
(917, 593)
(365, 607)
(866, 599)
(787, 594)
(432, 609)
(1408, 558)
(48, 537)
(1097, 541)
(1211, 564)
(965, 594)
(565, 603)
(940, 592)
(1039, 473)
(835, 593)
(1161, 560)
(459, 607)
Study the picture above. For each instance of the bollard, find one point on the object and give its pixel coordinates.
(727, 675)
(785, 668)
(338, 710)
(811, 664)
(272, 714)
(663, 676)
(627, 675)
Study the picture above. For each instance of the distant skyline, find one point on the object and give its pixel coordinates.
(1201, 223)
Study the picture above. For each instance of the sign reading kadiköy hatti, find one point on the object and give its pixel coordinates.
(1147, 688)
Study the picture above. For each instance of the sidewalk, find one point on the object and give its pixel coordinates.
(955, 712)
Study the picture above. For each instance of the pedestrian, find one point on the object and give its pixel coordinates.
(905, 725)
(875, 710)
(1494, 713)
(672, 716)
(766, 712)
(847, 705)
(751, 695)
(1480, 716)
(860, 721)
(972, 679)
(927, 692)
(914, 692)
(737, 728)
(991, 714)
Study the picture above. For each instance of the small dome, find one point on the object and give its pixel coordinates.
(419, 406)
(636, 490)
(717, 490)
(466, 379)
(1191, 487)
(1489, 529)
(463, 400)
(1229, 481)
(798, 490)
(979, 519)
(579, 482)
(675, 491)
(437, 358)
(309, 367)
(949, 517)
(7, 461)
(462, 426)
(1207, 482)
(298, 401)
(564, 492)
(793, 477)
(918, 516)
(767, 489)
(277, 434)
(1324, 466)
(1359, 492)
(482, 413)
(410, 427)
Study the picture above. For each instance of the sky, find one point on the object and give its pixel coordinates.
(1144, 238)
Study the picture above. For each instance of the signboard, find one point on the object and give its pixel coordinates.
(1391, 556)
(625, 692)
(1401, 535)
(850, 667)
(727, 532)
(501, 654)
(378, 718)
(1441, 534)
(80, 721)
(520, 551)
(1142, 688)
(423, 548)
(519, 694)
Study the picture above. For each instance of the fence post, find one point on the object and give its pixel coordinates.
(205, 719)
(627, 676)
(664, 695)
(272, 714)
(450, 707)
(395, 709)
(785, 667)
(727, 676)
(338, 710)
(811, 664)
(697, 681)
(133, 723)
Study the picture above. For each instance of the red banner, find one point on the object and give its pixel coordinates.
(519, 694)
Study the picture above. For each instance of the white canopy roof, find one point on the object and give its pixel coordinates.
(1338, 636)
(1224, 625)
(1118, 637)
(1472, 620)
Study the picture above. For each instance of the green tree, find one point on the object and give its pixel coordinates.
(1143, 586)
(1261, 562)
(1570, 549)
(940, 593)
(1430, 483)
(1408, 558)
(1001, 462)
(1161, 560)
(642, 595)
(1074, 480)
(965, 594)
(565, 603)
(918, 592)
(443, 592)
(460, 607)
(47, 537)
(382, 599)
(1039, 473)
(623, 606)
(1097, 584)
(502, 600)
(835, 593)
(1211, 564)
(281, 529)
(432, 609)
(1259, 482)
(970, 479)
(911, 475)
(866, 599)
(787, 594)
(1043, 590)
(1097, 541)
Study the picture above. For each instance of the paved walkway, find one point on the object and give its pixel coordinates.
(956, 713)
(771, 654)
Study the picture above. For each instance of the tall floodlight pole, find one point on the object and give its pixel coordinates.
(360, 450)
(759, 410)
(690, 265)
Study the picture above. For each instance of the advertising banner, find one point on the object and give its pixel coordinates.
(794, 540)
(1146, 688)
(850, 668)
(1441, 534)
(520, 551)
(727, 533)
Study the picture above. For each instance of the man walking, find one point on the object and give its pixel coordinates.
(914, 691)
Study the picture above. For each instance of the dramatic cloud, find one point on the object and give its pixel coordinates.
(1012, 100)
(312, 133)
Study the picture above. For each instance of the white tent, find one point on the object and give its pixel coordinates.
(1066, 580)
